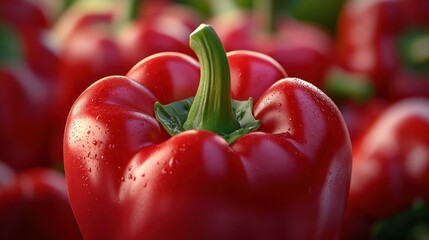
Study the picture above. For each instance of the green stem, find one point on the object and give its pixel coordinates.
(212, 108)
(10, 48)
(220, 6)
(129, 12)
(344, 85)
(414, 50)
(132, 10)
(264, 9)
(66, 4)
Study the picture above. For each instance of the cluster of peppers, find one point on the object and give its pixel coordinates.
(383, 46)
(33, 197)
(255, 125)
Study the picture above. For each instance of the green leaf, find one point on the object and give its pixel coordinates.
(344, 85)
(10, 45)
(172, 117)
(412, 224)
(248, 123)
(413, 46)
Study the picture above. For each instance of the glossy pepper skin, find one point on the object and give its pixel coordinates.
(386, 41)
(390, 165)
(34, 205)
(287, 180)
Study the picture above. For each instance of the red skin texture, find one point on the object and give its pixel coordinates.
(34, 204)
(252, 73)
(181, 84)
(367, 37)
(390, 163)
(128, 179)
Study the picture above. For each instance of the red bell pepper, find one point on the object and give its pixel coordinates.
(29, 76)
(30, 22)
(387, 40)
(218, 176)
(25, 120)
(34, 205)
(390, 165)
(23, 14)
(359, 116)
(304, 50)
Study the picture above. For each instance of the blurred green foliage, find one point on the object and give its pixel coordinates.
(324, 13)
(412, 224)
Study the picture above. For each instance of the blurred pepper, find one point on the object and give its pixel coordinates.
(34, 205)
(304, 50)
(388, 41)
(359, 116)
(23, 14)
(157, 26)
(390, 166)
(324, 13)
(28, 81)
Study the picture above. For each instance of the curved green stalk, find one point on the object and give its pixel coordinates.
(212, 108)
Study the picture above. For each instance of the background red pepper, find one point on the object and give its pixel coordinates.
(390, 166)
(360, 116)
(11, 12)
(26, 119)
(157, 27)
(381, 39)
(34, 205)
(28, 74)
(123, 169)
(382, 48)
(304, 50)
